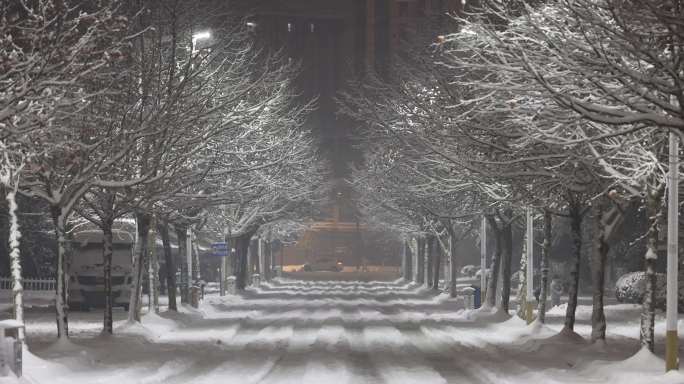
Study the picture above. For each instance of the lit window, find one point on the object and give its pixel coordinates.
(312, 27)
(290, 27)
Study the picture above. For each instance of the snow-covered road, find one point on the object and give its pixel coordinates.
(338, 332)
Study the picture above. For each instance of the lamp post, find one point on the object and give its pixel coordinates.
(193, 47)
(199, 36)
(188, 241)
(671, 341)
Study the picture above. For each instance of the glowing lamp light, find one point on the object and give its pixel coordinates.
(201, 36)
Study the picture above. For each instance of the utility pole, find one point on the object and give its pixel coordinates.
(671, 341)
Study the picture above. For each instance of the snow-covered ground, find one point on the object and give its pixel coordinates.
(339, 332)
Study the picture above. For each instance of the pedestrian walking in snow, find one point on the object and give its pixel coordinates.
(556, 291)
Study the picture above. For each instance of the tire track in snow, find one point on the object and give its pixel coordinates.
(311, 360)
(395, 359)
(318, 333)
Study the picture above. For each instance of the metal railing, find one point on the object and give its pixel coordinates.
(6, 283)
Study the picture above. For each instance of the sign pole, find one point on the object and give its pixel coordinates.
(221, 250)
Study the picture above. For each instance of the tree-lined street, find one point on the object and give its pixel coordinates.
(362, 190)
(347, 332)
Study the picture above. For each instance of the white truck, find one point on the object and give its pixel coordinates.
(86, 270)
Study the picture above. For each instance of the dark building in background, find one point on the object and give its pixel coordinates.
(334, 41)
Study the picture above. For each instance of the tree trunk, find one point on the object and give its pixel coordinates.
(600, 249)
(267, 260)
(453, 265)
(232, 250)
(181, 237)
(403, 270)
(153, 270)
(59, 218)
(139, 258)
(437, 265)
(546, 250)
(496, 263)
(522, 282)
(409, 262)
(575, 212)
(272, 257)
(107, 252)
(420, 264)
(252, 261)
(229, 262)
(170, 265)
(5, 267)
(507, 256)
(15, 262)
(196, 275)
(608, 221)
(260, 257)
(242, 266)
(654, 211)
(430, 260)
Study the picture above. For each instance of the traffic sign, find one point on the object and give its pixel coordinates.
(219, 249)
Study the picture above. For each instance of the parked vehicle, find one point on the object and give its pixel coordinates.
(469, 270)
(631, 287)
(324, 265)
(86, 270)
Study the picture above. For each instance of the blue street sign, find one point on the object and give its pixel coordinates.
(219, 249)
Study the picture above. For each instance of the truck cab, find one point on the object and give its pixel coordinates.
(86, 269)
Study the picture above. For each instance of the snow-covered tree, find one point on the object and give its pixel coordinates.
(612, 66)
(232, 127)
(10, 174)
(52, 54)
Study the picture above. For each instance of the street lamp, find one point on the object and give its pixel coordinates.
(199, 36)
(672, 296)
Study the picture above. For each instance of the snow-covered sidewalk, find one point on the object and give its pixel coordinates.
(338, 332)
